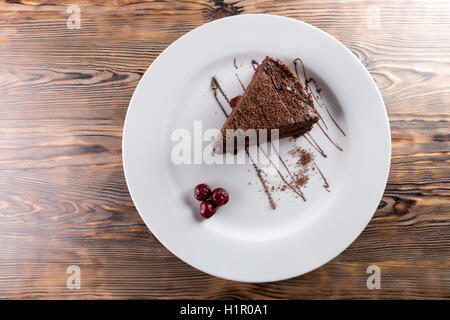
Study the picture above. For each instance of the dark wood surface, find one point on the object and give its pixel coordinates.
(63, 198)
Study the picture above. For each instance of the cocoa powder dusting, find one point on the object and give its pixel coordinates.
(305, 157)
(302, 180)
(303, 164)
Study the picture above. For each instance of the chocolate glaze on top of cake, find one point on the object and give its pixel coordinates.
(274, 99)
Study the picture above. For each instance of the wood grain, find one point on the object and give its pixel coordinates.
(63, 198)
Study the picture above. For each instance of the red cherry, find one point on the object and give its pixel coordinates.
(234, 101)
(202, 192)
(207, 209)
(220, 196)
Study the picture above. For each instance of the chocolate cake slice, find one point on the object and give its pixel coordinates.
(274, 99)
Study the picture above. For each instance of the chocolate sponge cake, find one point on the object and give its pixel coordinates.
(274, 99)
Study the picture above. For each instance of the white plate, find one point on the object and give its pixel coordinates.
(247, 240)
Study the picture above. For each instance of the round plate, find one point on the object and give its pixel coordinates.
(247, 240)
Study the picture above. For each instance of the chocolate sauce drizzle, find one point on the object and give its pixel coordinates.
(318, 90)
(307, 80)
(332, 141)
(214, 87)
(326, 185)
(255, 64)
(240, 82)
(273, 205)
(314, 144)
(234, 63)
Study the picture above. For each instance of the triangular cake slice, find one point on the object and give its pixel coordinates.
(274, 99)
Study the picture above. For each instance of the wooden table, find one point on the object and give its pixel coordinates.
(64, 93)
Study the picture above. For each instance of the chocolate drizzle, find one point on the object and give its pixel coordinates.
(321, 118)
(237, 76)
(214, 87)
(273, 205)
(332, 118)
(332, 141)
(318, 90)
(307, 80)
(240, 82)
(255, 64)
(326, 185)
